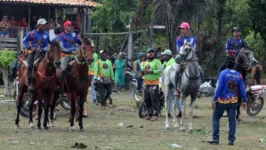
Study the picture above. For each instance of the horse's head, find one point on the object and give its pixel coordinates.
(186, 52)
(84, 55)
(249, 54)
(56, 51)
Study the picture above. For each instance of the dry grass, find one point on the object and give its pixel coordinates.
(102, 130)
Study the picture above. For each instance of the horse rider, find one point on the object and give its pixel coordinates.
(91, 74)
(230, 83)
(168, 60)
(57, 32)
(185, 37)
(104, 76)
(35, 40)
(137, 70)
(68, 40)
(151, 70)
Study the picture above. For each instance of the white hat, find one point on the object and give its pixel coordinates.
(167, 52)
(41, 21)
(102, 51)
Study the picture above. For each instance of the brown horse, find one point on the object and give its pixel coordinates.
(45, 83)
(76, 82)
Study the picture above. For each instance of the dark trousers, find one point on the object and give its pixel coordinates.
(139, 83)
(151, 97)
(216, 116)
(105, 90)
(30, 61)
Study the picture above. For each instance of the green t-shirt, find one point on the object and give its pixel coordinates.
(156, 66)
(91, 66)
(103, 69)
(169, 62)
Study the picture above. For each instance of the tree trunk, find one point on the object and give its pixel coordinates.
(6, 83)
(220, 18)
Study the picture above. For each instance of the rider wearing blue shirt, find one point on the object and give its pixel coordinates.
(68, 40)
(234, 44)
(230, 83)
(35, 40)
(182, 39)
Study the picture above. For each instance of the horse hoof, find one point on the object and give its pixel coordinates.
(182, 129)
(71, 129)
(167, 127)
(52, 125)
(39, 130)
(81, 130)
(176, 126)
(16, 127)
(31, 126)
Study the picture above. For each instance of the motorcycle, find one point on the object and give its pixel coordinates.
(137, 96)
(255, 98)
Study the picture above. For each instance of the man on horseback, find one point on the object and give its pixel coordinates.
(68, 40)
(235, 43)
(36, 40)
(104, 76)
(168, 60)
(151, 69)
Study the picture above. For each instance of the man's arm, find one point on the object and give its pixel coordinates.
(96, 70)
(159, 68)
(135, 67)
(26, 41)
(194, 43)
(77, 40)
(178, 45)
(112, 71)
(219, 87)
(61, 43)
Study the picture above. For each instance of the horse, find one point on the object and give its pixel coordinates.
(188, 84)
(243, 59)
(76, 82)
(45, 80)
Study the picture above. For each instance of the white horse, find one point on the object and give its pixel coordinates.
(188, 84)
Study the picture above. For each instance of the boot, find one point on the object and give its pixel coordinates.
(61, 82)
(32, 85)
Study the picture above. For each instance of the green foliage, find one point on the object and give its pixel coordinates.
(6, 58)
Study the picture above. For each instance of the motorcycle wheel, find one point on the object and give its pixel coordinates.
(64, 102)
(143, 110)
(255, 107)
(24, 111)
(137, 97)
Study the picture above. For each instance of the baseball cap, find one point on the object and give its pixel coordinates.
(67, 23)
(41, 21)
(167, 52)
(184, 25)
(150, 49)
(102, 51)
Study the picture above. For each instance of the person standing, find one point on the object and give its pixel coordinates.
(151, 70)
(230, 83)
(103, 77)
(4, 25)
(137, 71)
(120, 70)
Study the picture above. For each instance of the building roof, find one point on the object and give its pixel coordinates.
(78, 3)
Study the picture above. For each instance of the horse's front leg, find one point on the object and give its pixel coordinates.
(72, 111)
(193, 99)
(40, 99)
(33, 98)
(81, 108)
(183, 99)
(19, 105)
(47, 101)
(166, 100)
(54, 100)
(175, 121)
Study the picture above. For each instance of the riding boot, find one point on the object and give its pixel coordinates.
(61, 81)
(177, 78)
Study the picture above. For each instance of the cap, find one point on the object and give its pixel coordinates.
(67, 23)
(184, 25)
(236, 29)
(167, 52)
(41, 21)
(150, 49)
(142, 55)
(102, 51)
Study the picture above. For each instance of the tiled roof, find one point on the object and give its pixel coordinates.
(84, 3)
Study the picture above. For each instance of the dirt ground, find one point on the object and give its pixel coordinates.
(102, 130)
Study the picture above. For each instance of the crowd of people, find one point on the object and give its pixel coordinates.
(147, 68)
(5, 24)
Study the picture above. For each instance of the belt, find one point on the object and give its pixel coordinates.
(151, 82)
(231, 100)
(64, 54)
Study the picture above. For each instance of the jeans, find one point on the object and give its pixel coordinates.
(172, 98)
(216, 116)
(64, 63)
(93, 92)
(139, 83)
(151, 97)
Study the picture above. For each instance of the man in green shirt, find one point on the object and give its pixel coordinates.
(168, 60)
(104, 76)
(151, 69)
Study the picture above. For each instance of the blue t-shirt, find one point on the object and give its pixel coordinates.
(230, 82)
(68, 42)
(37, 40)
(180, 40)
(235, 44)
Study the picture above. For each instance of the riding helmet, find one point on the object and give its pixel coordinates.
(236, 29)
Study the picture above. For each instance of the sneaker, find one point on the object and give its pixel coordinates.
(230, 143)
(213, 142)
(154, 118)
(149, 117)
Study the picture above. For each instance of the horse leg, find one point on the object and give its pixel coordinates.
(19, 105)
(33, 98)
(176, 99)
(72, 111)
(40, 98)
(193, 99)
(46, 109)
(183, 99)
(260, 74)
(166, 101)
(81, 107)
(54, 100)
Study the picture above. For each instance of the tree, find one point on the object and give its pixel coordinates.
(6, 58)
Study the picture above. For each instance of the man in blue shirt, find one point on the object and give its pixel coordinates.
(35, 40)
(185, 36)
(235, 43)
(230, 83)
(68, 40)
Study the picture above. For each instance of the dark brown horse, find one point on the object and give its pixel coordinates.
(45, 84)
(76, 82)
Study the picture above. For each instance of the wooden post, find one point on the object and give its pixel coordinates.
(29, 15)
